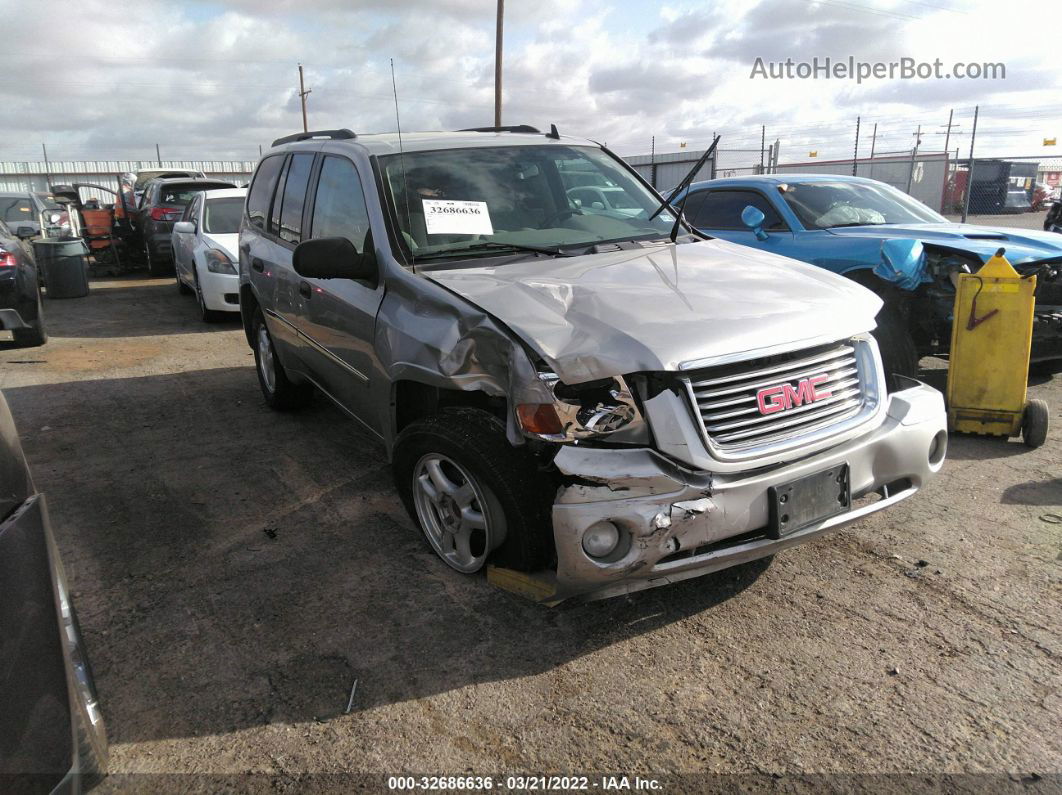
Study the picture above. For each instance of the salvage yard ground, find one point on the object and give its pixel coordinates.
(236, 570)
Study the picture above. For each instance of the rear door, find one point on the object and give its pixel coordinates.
(259, 252)
(339, 315)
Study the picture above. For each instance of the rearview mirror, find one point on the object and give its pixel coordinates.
(335, 258)
(903, 262)
(753, 218)
(184, 228)
(25, 232)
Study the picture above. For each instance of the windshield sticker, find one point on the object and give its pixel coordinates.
(445, 217)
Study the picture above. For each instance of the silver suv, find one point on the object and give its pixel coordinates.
(577, 394)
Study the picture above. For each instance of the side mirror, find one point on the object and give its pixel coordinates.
(335, 258)
(184, 228)
(903, 262)
(25, 232)
(753, 219)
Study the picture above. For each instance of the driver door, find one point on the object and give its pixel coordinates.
(718, 213)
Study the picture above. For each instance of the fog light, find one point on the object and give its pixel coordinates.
(601, 539)
(938, 448)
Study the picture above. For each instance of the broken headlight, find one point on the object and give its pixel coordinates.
(590, 410)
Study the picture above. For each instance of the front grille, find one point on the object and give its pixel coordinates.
(726, 396)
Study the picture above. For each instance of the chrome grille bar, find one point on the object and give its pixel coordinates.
(727, 401)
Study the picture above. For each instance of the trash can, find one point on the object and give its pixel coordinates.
(65, 266)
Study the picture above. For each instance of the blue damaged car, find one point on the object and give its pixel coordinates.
(851, 225)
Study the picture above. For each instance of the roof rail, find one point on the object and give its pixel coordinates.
(519, 128)
(335, 135)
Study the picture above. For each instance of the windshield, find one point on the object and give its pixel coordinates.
(222, 216)
(823, 205)
(454, 201)
(48, 201)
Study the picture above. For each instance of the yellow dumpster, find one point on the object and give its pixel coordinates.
(990, 341)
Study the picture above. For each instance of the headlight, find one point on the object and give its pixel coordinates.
(219, 262)
(590, 410)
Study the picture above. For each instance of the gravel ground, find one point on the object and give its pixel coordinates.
(237, 570)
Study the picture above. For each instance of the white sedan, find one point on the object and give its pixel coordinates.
(204, 246)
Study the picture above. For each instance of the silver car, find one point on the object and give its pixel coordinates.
(590, 402)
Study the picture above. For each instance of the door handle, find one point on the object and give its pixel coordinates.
(304, 289)
(257, 264)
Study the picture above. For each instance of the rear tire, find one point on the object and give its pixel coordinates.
(899, 356)
(155, 268)
(35, 335)
(507, 477)
(1035, 422)
(279, 392)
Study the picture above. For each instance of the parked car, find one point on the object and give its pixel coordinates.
(603, 199)
(204, 242)
(1053, 219)
(142, 177)
(52, 737)
(24, 209)
(162, 205)
(21, 308)
(563, 392)
(839, 223)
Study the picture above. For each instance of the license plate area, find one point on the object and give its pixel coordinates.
(808, 500)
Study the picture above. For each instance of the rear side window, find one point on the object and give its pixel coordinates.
(339, 205)
(14, 209)
(295, 197)
(721, 209)
(261, 193)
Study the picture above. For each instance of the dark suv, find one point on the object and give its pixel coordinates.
(161, 206)
(21, 310)
(595, 396)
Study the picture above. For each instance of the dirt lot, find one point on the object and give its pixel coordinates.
(236, 570)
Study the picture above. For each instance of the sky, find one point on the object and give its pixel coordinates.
(215, 80)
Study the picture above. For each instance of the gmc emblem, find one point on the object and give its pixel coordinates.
(785, 396)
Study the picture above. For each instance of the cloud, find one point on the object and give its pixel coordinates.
(216, 79)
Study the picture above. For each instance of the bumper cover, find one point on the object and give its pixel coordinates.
(679, 523)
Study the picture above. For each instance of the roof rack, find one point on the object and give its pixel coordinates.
(335, 135)
(519, 128)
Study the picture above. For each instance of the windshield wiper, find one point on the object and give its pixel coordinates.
(492, 244)
(857, 223)
(686, 180)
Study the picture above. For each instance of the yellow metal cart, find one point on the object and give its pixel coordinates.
(990, 342)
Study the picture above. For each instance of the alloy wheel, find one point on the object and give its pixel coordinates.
(451, 508)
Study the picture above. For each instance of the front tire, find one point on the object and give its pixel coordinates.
(279, 392)
(474, 496)
(207, 315)
(899, 356)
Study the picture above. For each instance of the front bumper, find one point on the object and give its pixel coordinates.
(680, 523)
(221, 291)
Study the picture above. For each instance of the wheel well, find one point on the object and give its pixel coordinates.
(248, 305)
(414, 400)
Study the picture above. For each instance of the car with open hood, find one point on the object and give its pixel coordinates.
(841, 223)
(583, 401)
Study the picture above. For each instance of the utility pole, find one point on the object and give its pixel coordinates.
(302, 96)
(970, 170)
(855, 155)
(652, 162)
(914, 154)
(47, 168)
(763, 140)
(947, 135)
(158, 157)
(873, 143)
(498, 37)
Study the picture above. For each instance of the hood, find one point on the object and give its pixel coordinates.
(229, 243)
(656, 308)
(1022, 245)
